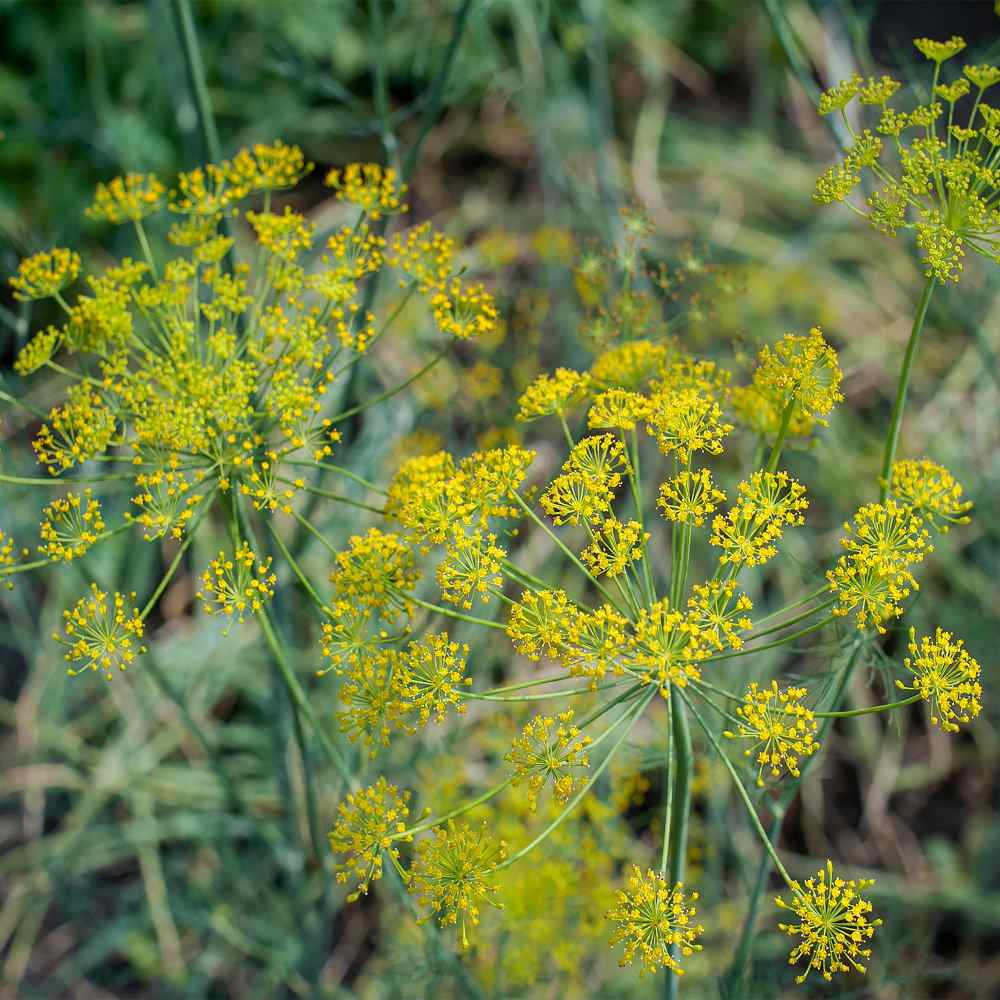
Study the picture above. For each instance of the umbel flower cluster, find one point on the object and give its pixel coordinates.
(630, 631)
(213, 383)
(933, 168)
(210, 380)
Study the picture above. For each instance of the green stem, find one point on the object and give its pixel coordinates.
(681, 811)
(457, 811)
(735, 975)
(341, 471)
(389, 393)
(802, 616)
(751, 810)
(892, 438)
(779, 441)
(570, 443)
(471, 619)
(176, 561)
(297, 570)
(871, 710)
(140, 231)
(784, 640)
(339, 498)
(567, 552)
(196, 79)
(298, 696)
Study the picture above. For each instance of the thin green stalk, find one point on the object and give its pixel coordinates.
(389, 393)
(751, 810)
(539, 697)
(779, 441)
(733, 980)
(297, 570)
(635, 478)
(457, 811)
(471, 619)
(176, 561)
(196, 79)
(338, 497)
(783, 641)
(302, 703)
(668, 797)
(871, 710)
(342, 472)
(681, 811)
(570, 443)
(567, 552)
(754, 633)
(892, 437)
(140, 231)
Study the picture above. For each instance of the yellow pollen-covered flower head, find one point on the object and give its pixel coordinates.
(369, 823)
(655, 921)
(127, 199)
(454, 872)
(781, 729)
(614, 547)
(70, 525)
(834, 923)
(946, 677)
(237, 585)
(375, 189)
(689, 497)
(802, 371)
(930, 490)
(99, 635)
(554, 394)
(45, 274)
(549, 749)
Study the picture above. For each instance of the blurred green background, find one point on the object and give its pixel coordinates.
(152, 831)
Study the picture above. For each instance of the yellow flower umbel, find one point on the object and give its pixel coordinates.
(720, 612)
(779, 725)
(667, 648)
(689, 497)
(375, 189)
(946, 677)
(652, 919)
(373, 573)
(166, 501)
(801, 372)
(127, 199)
(766, 503)
(470, 568)
(464, 310)
(45, 274)
(547, 748)
(618, 408)
(887, 535)
(944, 183)
(454, 871)
(369, 822)
(834, 923)
(930, 490)
(615, 546)
(70, 526)
(99, 635)
(236, 585)
(76, 431)
(685, 421)
(434, 674)
(554, 394)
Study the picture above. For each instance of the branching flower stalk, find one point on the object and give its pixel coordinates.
(206, 380)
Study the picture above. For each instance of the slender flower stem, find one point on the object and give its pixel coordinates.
(567, 552)
(756, 634)
(784, 640)
(751, 810)
(196, 78)
(302, 703)
(681, 806)
(537, 697)
(331, 496)
(779, 441)
(457, 811)
(176, 561)
(668, 797)
(892, 437)
(871, 710)
(297, 570)
(471, 619)
(629, 717)
(314, 531)
(341, 471)
(635, 478)
(737, 969)
(140, 231)
(389, 393)
(570, 443)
